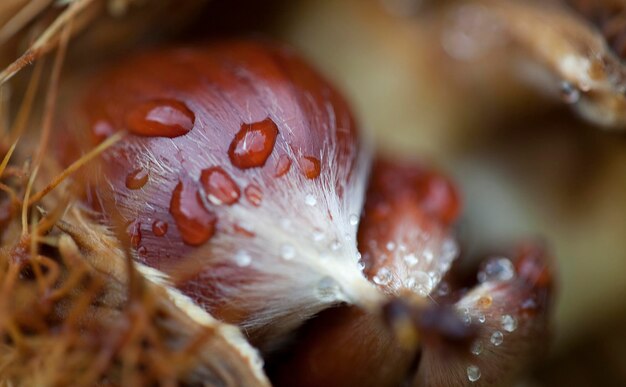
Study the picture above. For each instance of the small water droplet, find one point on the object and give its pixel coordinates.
(142, 251)
(443, 289)
(509, 323)
(473, 373)
(282, 166)
(254, 194)
(390, 246)
(318, 236)
(477, 347)
(383, 277)
(310, 167)
(219, 187)
(134, 231)
(497, 269)
(354, 219)
(253, 144)
(497, 338)
(159, 228)
(410, 259)
(327, 290)
(102, 130)
(137, 179)
(161, 118)
(424, 283)
(195, 223)
(569, 93)
(287, 252)
(310, 200)
(242, 258)
(482, 318)
(428, 255)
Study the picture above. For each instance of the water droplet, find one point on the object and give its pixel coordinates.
(390, 246)
(443, 289)
(195, 223)
(253, 144)
(219, 186)
(428, 255)
(310, 200)
(335, 245)
(327, 290)
(383, 277)
(497, 269)
(162, 118)
(310, 167)
(254, 194)
(482, 318)
(318, 236)
(282, 166)
(569, 93)
(134, 231)
(449, 251)
(410, 259)
(467, 318)
(142, 251)
(287, 252)
(137, 179)
(424, 283)
(102, 130)
(244, 228)
(473, 373)
(159, 228)
(242, 258)
(497, 338)
(354, 220)
(509, 323)
(477, 347)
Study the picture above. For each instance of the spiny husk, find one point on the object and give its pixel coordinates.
(75, 314)
(32, 29)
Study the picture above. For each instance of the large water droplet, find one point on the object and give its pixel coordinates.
(218, 186)
(253, 144)
(137, 179)
(310, 167)
(473, 373)
(282, 166)
(195, 223)
(159, 228)
(254, 194)
(160, 118)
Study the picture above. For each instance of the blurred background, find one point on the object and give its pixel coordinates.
(482, 90)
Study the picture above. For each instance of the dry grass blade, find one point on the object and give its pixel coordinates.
(46, 41)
